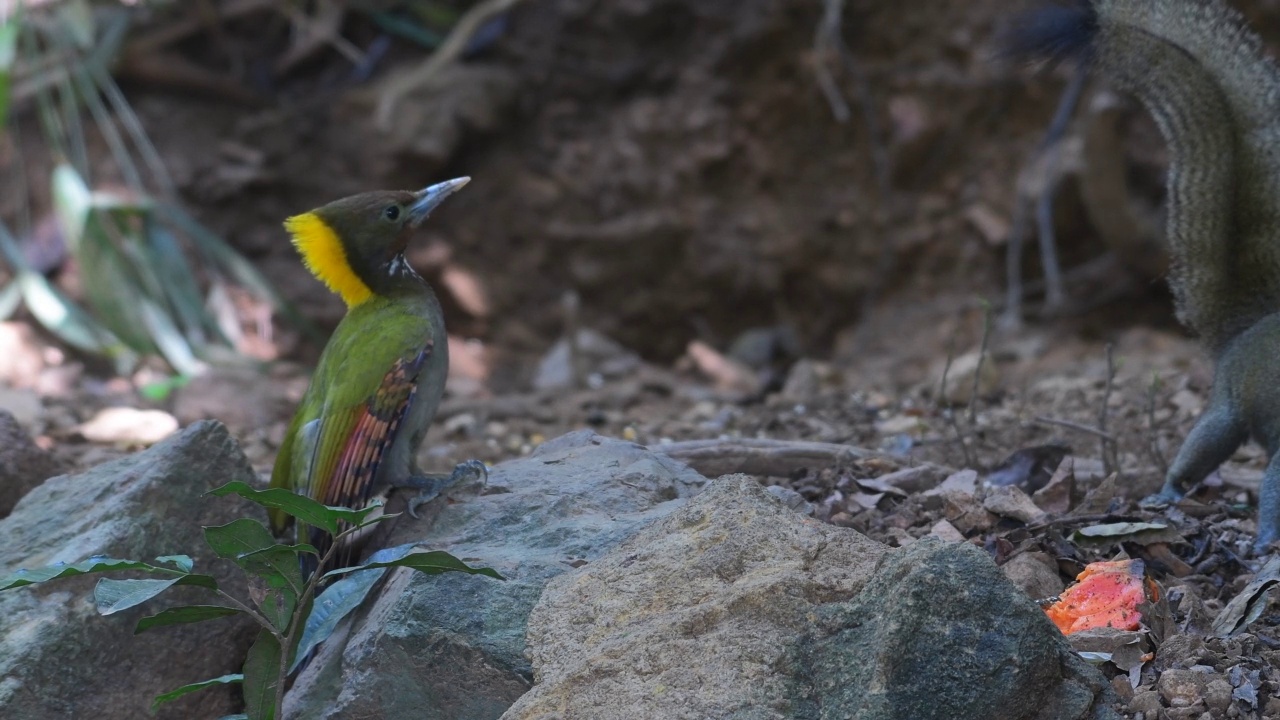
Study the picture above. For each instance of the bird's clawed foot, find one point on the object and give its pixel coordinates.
(432, 485)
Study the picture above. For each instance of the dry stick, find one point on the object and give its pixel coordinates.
(1011, 318)
(947, 412)
(826, 37)
(450, 49)
(1153, 439)
(758, 456)
(1074, 426)
(977, 371)
(1110, 456)
(189, 25)
(569, 303)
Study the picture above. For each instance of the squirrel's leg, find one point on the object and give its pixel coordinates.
(1269, 506)
(1215, 436)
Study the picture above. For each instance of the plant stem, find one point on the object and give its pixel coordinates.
(250, 611)
(286, 642)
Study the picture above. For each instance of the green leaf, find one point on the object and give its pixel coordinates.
(10, 298)
(341, 599)
(187, 689)
(336, 602)
(238, 537)
(262, 677)
(160, 390)
(69, 322)
(182, 562)
(8, 51)
(71, 202)
(299, 506)
(253, 548)
(431, 563)
(222, 255)
(111, 595)
(169, 339)
(292, 549)
(95, 564)
(182, 615)
(76, 18)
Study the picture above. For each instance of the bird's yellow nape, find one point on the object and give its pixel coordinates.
(324, 256)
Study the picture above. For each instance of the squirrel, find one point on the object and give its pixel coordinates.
(1215, 96)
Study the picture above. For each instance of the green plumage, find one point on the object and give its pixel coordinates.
(382, 374)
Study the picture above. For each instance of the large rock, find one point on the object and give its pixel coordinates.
(452, 646)
(58, 657)
(693, 616)
(939, 633)
(23, 464)
(736, 607)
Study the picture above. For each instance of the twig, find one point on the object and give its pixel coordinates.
(1153, 439)
(977, 371)
(1110, 461)
(569, 302)
(189, 25)
(1073, 519)
(945, 408)
(450, 49)
(1011, 318)
(1074, 426)
(826, 37)
(308, 593)
(758, 456)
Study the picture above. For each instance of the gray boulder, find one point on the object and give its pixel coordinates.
(453, 646)
(692, 617)
(940, 633)
(58, 657)
(736, 607)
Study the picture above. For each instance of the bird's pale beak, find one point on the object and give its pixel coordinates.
(429, 198)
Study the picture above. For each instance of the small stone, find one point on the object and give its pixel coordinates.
(898, 424)
(965, 481)
(1124, 691)
(1181, 688)
(946, 532)
(796, 501)
(23, 404)
(1217, 695)
(129, 426)
(965, 513)
(1146, 702)
(802, 382)
(959, 376)
(915, 479)
(1036, 574)
(1011, 502)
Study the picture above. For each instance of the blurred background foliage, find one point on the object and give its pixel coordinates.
(153, 281)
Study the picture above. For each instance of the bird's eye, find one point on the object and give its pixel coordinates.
(392, 212)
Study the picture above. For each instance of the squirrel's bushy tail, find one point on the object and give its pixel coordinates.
(1216, 98)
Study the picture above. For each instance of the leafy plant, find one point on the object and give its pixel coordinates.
(156, 281)
(289, 627)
